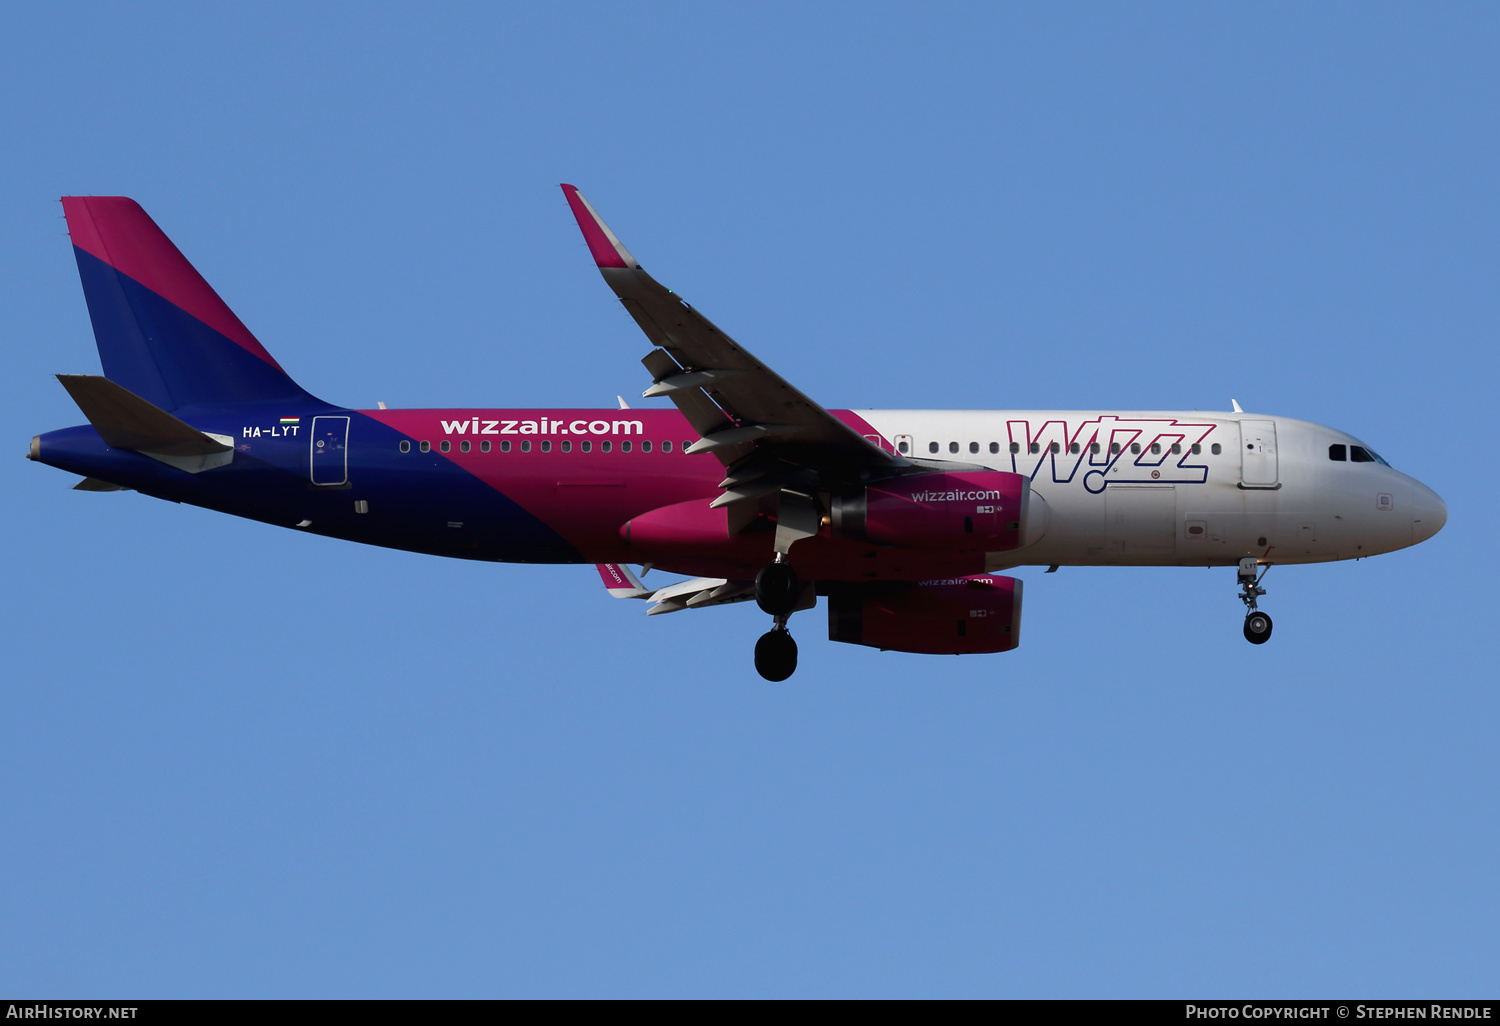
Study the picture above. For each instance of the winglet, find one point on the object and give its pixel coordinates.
(620, 582)
(606, 249)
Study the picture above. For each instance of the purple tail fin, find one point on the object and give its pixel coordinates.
(162, 331)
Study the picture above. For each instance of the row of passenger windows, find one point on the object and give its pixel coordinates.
(545, 445)
(1354, 454)
(1075, 448)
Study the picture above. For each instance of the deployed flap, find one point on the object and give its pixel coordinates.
(705, 362)
(700, 592)
(126, 421)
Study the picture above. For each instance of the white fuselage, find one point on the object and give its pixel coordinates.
(1179, 489)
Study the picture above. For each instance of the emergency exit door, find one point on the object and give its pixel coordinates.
(330, 450)
(1258, 463)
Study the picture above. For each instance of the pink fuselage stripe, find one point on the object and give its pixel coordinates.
(583, 496)
(117, 231)
(588, 497)
(861, 425)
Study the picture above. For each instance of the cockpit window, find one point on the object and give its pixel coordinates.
(1338, 452)
(1359, 454)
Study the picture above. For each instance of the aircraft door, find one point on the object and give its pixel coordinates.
(1258, 462)
(329, 461)
(905, 446)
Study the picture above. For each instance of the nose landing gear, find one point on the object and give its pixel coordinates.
(1257, 624)
(776, 592)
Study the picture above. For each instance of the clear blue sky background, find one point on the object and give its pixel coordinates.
(236, 760)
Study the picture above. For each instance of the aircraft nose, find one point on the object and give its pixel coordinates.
(1429, 513)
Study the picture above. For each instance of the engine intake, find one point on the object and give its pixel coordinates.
(983, 509)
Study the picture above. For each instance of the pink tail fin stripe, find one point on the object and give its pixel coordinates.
(604, 246)
(116, 230)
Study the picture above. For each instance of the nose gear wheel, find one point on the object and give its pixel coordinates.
(1257, 624)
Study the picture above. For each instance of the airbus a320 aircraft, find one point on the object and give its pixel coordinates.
(899, 518)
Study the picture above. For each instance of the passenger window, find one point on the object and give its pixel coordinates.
(605, 446)
(446, 446)
(1339, 453)
(1094, 448)
(1216, 448)
(526, 445)
(932, 447)
(953, 447)
(899, 445)
(1075, 448)
(1135, 448)
(425, 446)
(505, 446)
(994, 448)
(1176, 448)
(1036, 447)
(1197, 448)
(973, 446)
(645, 447)
(464, 446)
(586, 446)
(1055, 447)
(546, 445)
(405, 445)
(1156, 448)
(624, 446)
(484, 446)
(1114, 448)
(667, 447)
(685, 447)
(566, 446)
(1015, 447)
(1359, 454)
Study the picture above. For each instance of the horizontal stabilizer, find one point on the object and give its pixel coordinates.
(94, 484)
(126, 421)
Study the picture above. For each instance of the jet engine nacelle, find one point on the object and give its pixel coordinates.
(955, 616)
(982, 509)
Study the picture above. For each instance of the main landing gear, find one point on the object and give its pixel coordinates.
(1257, 624)
(776, 592)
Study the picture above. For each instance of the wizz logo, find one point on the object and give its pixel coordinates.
(1112, 450)
(956, 496)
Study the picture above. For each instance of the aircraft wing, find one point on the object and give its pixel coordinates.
(770, 436)
(620, 582)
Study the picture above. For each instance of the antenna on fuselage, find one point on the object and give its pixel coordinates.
(623, 404)
(1236, 404)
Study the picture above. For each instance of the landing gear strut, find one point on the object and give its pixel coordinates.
(1257, 624)
(776, 592)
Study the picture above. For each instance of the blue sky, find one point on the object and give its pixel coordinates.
(239, 761)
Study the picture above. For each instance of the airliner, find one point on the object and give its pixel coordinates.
(900, 520)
